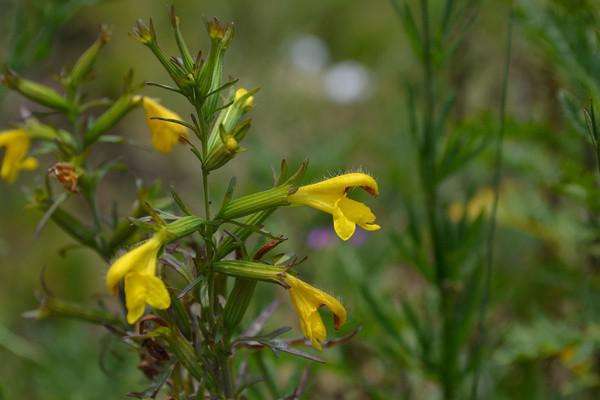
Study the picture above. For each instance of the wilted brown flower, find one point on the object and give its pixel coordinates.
(66, 174)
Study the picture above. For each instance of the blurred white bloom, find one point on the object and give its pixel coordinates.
(347, 82)
(308, 53)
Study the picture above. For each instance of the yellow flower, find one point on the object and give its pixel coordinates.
(307, 300)
(481, 203)
(331, 197)
(509, 214)
(165, 134)
(142, 286)
(17, 144)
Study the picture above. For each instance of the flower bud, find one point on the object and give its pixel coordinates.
(147, 36)
(242, 102)
(228, 146)
(209, 79)
(231, 144)
(219, 31)
(245, 99)
(143, 33)
(86, 61)
(36, 92)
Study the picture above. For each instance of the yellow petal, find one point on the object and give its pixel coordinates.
(370, 227)
(17, 145)
(165, 134)
(11, 136)
(317, 333)
(135, 296)
(30, 163)
(157, 294)
(310, 321)
(341, 183)
(142, 289)
(9, 170)
(358, 213)
(325, 202)
(140, 259)
(343, 227)
(307, 300)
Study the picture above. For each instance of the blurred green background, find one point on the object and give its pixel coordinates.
(331, 75)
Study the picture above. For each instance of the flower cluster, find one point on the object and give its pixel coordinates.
(137, 267)
(193, 317)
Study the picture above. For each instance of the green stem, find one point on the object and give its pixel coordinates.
(78, 231)
(53, 307)
(206, 195)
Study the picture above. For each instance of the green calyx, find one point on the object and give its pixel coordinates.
(252, 203)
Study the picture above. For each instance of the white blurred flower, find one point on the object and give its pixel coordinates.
(347, 82)
(308, 53)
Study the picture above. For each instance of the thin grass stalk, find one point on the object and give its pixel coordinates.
(491, 234)
(428, 174)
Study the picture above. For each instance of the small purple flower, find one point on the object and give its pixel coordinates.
(320, 238)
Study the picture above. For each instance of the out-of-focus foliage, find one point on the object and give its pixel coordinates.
(543, 315)
(30, 28)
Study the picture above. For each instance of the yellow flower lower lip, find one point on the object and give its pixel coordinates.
(331, 196)
(17, 144)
